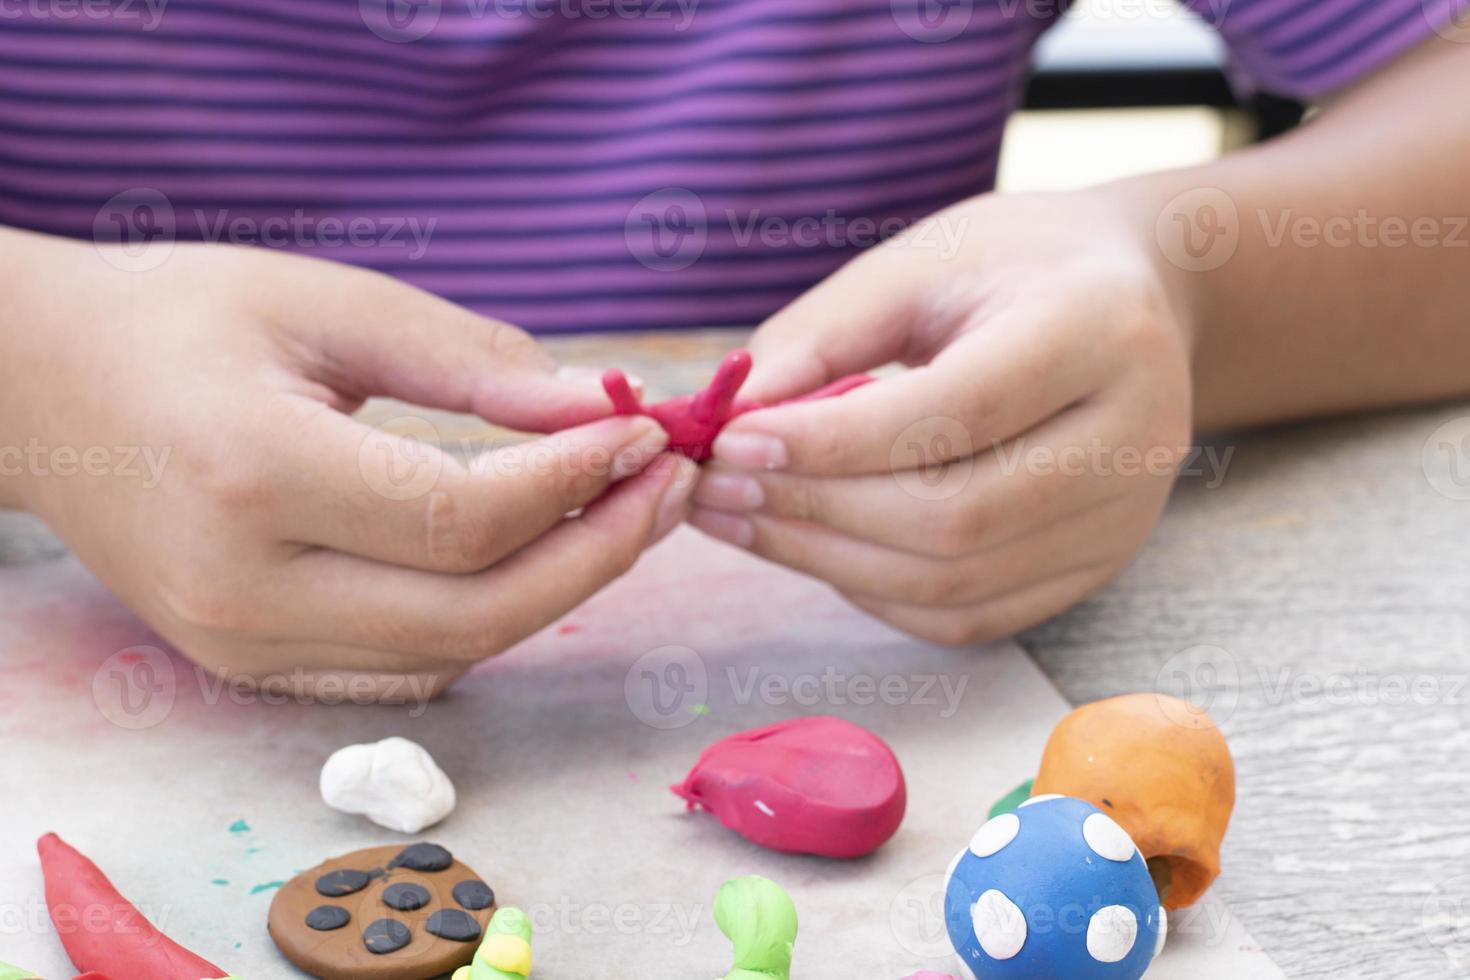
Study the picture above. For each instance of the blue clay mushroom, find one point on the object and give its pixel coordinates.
(1054, 890)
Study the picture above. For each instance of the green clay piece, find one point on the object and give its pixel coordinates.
(505, 953)
(1013, 799)
(8, 972)
(759, 918)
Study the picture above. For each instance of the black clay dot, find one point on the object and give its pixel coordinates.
(474, 895)
(335, 884)
(386, 936)
(405, 896)
(453, 924)
(422, 857)
(325, 918)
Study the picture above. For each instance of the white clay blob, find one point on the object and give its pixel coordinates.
(1112, 933)
(999, 925)
(1041, 799)
(1163, 931)
(1107, 839)
(995, 835)
(394, 783)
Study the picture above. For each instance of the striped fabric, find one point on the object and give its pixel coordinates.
(561, 164)
(1308, 49)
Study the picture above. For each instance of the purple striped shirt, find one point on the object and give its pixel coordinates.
(561, 164)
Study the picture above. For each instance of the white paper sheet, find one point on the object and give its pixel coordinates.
(561, 751)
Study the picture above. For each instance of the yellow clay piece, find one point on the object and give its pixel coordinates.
(509, 953)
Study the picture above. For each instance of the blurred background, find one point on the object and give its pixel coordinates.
(1129, 86)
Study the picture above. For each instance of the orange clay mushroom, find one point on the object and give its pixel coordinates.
(1159, 767)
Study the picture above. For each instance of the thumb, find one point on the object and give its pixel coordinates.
(858, 318)
(365, 334)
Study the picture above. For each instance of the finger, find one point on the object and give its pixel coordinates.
(324, 673)
(855, 566)
(403, 501)
(995, 620)
(965, 506)
(318, 672)
(858, 318)
(987, 387)
(407, 687)
(365, 334)
(342, 599)
(997, 508)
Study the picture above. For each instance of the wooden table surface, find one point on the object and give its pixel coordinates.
(1316, 599)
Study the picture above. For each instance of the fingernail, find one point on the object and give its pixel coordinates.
(674, 507)
(733, 528)
(645, 433)
(751, 451)
(642, 438)
(730, 491)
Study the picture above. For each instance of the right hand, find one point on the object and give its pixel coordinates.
(261, 529)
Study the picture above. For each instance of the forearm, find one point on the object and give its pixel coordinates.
(14, 371)
(41, 278)
(1349, 286)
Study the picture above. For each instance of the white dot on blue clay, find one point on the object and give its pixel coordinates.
(1041, 799)
(1112, 933)
(999, 925)
(1107, 839)
(995, 835)
(1163, 932)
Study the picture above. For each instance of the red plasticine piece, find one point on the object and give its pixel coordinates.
(102, 932)
(805, 786)
(693, 421)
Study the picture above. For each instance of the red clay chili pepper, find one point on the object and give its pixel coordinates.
(101, 930)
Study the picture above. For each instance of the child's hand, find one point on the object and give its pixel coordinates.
(1010, 474)
(236, 506)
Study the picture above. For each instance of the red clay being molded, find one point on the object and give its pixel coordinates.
(806, 786)
(693, 421)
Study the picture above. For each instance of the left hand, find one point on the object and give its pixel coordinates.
(1020, 464)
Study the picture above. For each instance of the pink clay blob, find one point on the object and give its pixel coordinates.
(806, 786)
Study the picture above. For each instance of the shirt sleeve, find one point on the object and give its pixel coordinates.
(1307, 49)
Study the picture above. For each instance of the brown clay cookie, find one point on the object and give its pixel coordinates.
(384, 913)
